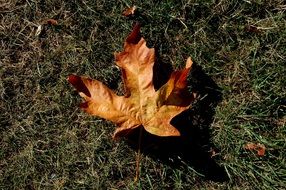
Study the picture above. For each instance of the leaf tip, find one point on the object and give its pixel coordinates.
(71, 78)
(135, 36)
(77, 82)
(189, 63)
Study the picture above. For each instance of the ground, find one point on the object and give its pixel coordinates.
(239, 52)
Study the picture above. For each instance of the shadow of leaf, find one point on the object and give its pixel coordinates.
(193, 148)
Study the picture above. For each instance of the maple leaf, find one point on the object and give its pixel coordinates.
(141, 105)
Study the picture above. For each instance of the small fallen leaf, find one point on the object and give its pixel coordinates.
(259, 148)
(250, 146)
(252, 29)
(130, 11)
(142, 105)
(52, 22)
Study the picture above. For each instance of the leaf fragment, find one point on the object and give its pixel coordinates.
(52, 22)
(130, 11)
(258, 147)
(252, 29)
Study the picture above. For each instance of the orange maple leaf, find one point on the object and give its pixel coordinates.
(141, 105)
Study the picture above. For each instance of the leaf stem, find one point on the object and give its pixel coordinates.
(138, 156)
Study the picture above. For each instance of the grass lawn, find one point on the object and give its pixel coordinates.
(239, 51)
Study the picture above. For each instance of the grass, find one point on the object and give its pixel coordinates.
(48, 143)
